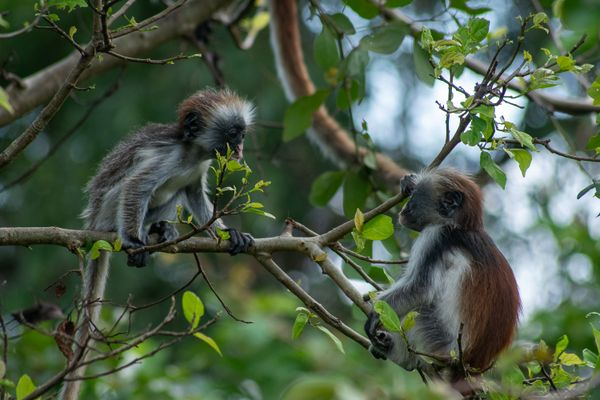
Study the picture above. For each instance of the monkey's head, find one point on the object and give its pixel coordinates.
(442, 197)
(215, 119)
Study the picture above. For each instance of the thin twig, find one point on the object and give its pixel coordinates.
(164, 61)
(25, 29)
(148, 21)
(91, 108)
(119, 13)
(214, 291)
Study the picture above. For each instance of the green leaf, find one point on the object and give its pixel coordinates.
(570, 359)
(543, 78)
(4, 102)
(594, 142)
(343, 24)
(356, 190)
(561, 345)
(388, 316)
(409, 320)
(333, 338)
(298, 116)
(364, 8)
(478, 28)
(359, 220)
(356, 63)
(24, 387)
(234, 165)
(387, 39)
(72, 31)
(324, 187)
(596, 333)
(494, 171)
(2, 369)
(566, 63)
(347, 95)
(193, 308)
(118, 244)
(97, 246)
(299, 324)
(590, 358)
(485, 111)
(397, 3)
(462, 5)
(379, 228)
(451, 57)
(522, 157)
(473, 135)
(259, 212)
(423, 67)
(359, 240)
(594, 91)
(223, 235)
(326, 50)
(379, 274)
(539, 19)
(69, 5)
(523, 138)
(209, 341)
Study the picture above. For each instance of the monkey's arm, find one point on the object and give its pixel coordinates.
(198, 203)
(133, 206)
(405, 295)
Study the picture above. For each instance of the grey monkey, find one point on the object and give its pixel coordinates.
(140, 182)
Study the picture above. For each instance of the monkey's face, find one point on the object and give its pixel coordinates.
(233, 132)
(216, 120)
(429, 205)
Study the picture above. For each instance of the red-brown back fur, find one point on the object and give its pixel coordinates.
(490, 302)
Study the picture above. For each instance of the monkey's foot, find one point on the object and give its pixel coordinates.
(381, 340)
(239, 241)
(135, 260)
(138, 260)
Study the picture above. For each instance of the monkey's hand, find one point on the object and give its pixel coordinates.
(381, 340)
(162, 231)
(239, 241)
(407, 184)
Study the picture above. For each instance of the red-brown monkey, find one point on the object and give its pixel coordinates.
(456, 275)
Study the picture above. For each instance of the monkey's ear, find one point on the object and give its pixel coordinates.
(450, 202)
(191, 125)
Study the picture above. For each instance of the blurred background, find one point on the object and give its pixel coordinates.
(547, 234)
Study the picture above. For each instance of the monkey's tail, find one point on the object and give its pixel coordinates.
(333, 140)
(92, 293)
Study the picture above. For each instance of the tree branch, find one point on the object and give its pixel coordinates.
(550, 102)
(41, 86)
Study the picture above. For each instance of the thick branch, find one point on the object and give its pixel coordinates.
(310, 302)
(42, 85)
(327, 132)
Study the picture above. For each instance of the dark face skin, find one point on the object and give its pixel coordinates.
(428, 207)
(235, 132)
(420, 210)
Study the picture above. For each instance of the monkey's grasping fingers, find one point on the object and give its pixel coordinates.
(240, 242)
(381, 340)
(408, 183)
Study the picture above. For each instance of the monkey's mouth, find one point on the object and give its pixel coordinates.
(238, 151)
